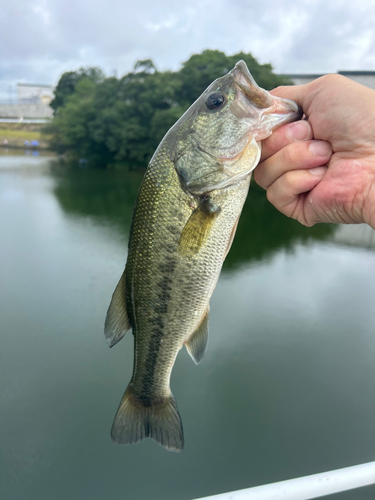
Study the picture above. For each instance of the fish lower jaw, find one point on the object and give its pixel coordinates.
(234, 153)
(226, 183)
(232, 171)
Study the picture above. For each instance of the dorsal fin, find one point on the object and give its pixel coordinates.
(117, 321)
(197, 344)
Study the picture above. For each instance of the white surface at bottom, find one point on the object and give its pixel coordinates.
(304, 488)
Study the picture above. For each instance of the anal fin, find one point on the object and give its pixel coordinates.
(117, 321)
(197, 344)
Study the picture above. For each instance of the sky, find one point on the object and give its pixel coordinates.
(41, 39)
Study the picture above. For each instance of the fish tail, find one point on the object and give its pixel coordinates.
(159, 420)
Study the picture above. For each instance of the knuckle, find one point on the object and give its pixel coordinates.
(258, 176)
(307, 223)
(289, 179)
(270, 196)
(331, 79)
(280, 87)
(289, 154)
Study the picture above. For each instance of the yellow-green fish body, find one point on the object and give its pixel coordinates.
(183, 225)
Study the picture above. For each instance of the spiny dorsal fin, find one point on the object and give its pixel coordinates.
(197, 344)
(117, 321)
(197, 228)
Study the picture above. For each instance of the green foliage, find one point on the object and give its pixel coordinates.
(201, 69)
(69, 81)
(111, 120)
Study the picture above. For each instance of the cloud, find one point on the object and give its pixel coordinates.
(333, 36)
(44, 38)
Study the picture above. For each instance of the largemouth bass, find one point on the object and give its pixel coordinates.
(183, 225)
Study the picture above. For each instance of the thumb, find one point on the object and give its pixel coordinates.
(299, 93)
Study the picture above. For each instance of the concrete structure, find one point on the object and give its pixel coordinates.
(354, 235)
(32, 103)
(364, 77)
(301, 79)
(29, 111)
(33, 92)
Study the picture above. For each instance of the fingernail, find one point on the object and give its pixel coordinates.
(318, 171)
(299, 131)
(321, 148)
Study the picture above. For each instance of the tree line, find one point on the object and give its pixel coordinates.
(111, 120)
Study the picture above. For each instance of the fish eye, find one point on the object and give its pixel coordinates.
(215, 100)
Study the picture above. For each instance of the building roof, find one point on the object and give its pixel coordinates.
(303, 75)
(343, 72)
(34, 85)
(356, 73)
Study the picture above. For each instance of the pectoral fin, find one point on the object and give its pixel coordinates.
(117, 321)
(197, 228)
(197, 344)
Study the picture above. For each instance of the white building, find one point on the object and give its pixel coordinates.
(34, 93)
(364, 77)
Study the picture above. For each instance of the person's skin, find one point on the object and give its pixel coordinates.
(323, 169)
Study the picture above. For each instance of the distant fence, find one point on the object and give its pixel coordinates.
(34, 100)
(25, 120)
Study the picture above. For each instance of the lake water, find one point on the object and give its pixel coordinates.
(286, 387)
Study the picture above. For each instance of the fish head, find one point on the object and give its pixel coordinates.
(218, 138)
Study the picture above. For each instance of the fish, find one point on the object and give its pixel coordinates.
(183, 224)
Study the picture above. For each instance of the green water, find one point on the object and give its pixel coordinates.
(286, 387)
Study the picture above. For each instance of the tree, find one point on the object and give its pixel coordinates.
(69, 81)
(201, 69)
(145, 66)
(123, 120)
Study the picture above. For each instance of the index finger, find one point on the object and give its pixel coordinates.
(281, 137)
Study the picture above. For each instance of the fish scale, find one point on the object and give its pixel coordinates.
(183, 224)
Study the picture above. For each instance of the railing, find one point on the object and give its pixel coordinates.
(35, 100)
(25, 120)
(308, 487)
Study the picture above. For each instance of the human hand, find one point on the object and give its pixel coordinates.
(323, 169)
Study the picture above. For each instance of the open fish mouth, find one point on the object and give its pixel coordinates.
(258, 109)
(272, 111)
(259, 97)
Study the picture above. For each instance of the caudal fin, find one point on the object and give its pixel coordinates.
(160, 421)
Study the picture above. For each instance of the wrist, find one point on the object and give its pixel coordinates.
(369, 198)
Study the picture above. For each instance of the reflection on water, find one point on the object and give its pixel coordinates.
(110, 196)
(285, 389)
(106, 196)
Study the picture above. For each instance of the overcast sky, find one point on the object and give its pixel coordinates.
(40, 39)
